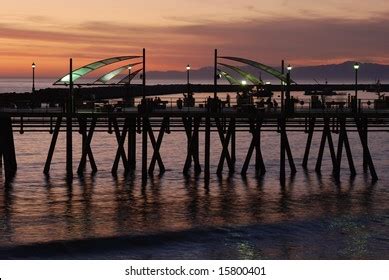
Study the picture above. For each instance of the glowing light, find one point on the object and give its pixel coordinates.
(33, 65)
(244, 82)
(356, 66)
(188, 67)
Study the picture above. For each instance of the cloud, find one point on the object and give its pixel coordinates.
(301, 41)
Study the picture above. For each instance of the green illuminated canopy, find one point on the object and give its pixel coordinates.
(261, 66)
(228, 77)
(125, 79)
(80, 72)
(244, 74)
(112, 74)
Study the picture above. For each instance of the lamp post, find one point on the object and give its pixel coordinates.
(289, 68)
(356, 68)
(129, 99)
(33, 77)
(282, 86)
(215, 75)
(187, 73)
(129, 75)
(187, 79)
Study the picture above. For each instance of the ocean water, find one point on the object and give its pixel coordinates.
(99, 216)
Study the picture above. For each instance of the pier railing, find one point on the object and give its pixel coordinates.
(170, 104)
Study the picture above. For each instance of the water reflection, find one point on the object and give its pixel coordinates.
(98, 206)
(6, 205)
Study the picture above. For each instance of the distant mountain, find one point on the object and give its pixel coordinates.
(368, 72)
(344, 72)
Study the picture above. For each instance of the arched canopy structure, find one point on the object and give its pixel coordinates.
(112, 74)
(228, 77)
(82, 71)
(133, 74)
(244, 74)
(261, 66)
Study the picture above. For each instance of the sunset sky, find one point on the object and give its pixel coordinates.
(175, 33)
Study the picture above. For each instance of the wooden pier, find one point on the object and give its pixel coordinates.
(195, 124)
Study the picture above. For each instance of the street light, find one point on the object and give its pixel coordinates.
(244, 82)
(129, 74)
(356, 68)
(289, 68)
(33, 77)
(187, 73)
(187, 80)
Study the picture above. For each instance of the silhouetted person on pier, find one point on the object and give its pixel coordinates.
(238, 99)
(189, 100)
(228, 100)
(179, 103)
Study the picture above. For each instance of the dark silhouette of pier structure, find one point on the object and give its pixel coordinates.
(154, 123)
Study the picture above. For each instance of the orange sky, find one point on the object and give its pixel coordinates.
(176, 33)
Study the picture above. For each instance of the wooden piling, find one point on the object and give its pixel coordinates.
(120, 153)
(327, 136)
(132, 143)
(53, 143)
(281, 124)
(69, 147)
(7, 148)
(207, 151)
(366, 139)
(343, 141)
(86, 145)
(348, 151)
(309, 142)
(225, 155)
(144, 147)
(192, 147)
(321, 150)
(157, 146)
(196, 148)
(288, 150)
(187, 122)
(332, 149)
(260, 164)
(362, 137)
(233, 143)
(254, 145)
(225, 141)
